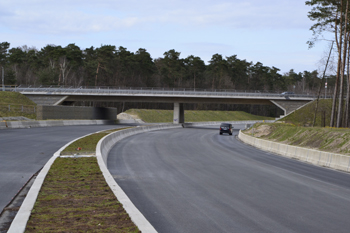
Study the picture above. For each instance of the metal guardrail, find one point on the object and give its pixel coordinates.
(17, 108)
(151, 91)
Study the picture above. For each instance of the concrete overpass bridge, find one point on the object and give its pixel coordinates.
(60, 95)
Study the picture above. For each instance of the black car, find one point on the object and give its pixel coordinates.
(226, 128)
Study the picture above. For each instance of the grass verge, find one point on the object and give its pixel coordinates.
(336, 140)
(76, 198)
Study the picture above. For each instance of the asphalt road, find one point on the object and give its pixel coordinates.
(24, 151)
(195, 180)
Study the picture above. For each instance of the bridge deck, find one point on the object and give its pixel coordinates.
(58, 95)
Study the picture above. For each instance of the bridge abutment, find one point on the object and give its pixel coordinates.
(288, 106)
(179, 113)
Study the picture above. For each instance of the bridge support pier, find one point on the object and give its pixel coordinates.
(179, 113)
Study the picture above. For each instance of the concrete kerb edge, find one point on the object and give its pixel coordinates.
(109, 141)
(19, 223)
(311, 156)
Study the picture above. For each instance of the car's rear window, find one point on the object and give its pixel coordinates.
(225, 125)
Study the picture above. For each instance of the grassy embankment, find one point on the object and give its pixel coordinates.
(334, 140)
(75, 197)
(16, 101)
(305, 115)
(297, 131)
(161, 116)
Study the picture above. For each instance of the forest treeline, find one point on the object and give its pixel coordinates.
(118, 67)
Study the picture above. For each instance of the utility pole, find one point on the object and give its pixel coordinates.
(3, 81)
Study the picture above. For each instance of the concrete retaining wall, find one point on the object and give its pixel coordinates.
(130, 121)
(316, 157)
(31, 124)
(45, 112)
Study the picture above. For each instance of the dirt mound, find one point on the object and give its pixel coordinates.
(125, 116)
(260, 131)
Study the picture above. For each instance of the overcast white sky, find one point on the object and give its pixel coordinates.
(273, 32)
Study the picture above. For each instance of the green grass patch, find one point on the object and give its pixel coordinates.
(7, 97)
(19, 104)
(336, 140)
(305, 115)
(162, 116)
(75, 198)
